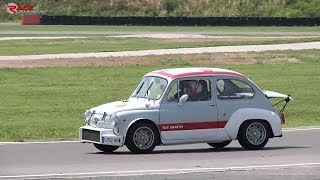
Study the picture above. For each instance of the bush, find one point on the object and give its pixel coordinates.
(228, 8)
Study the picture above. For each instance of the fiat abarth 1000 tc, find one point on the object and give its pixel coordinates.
(187, 105)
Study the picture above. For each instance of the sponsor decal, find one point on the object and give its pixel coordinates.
(193, 125)
(13, 8)
(172, 127)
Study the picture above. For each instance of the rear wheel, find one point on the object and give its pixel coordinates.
(220, 145)
(142, 138)
(105, 148)
(254, 134)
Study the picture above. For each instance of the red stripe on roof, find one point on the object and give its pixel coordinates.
(193, 126)
(206, 73)
(163, 73)
(198, 72)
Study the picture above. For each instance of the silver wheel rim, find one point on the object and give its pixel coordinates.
(256, 133)
(143, 138)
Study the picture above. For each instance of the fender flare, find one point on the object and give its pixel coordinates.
(139, 120)
(242, 115)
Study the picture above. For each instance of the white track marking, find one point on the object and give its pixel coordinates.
(242, 48)
(162, 171)
(307, 128)
(201, 36)
(30, 38)
(39, 142)
(301, 129)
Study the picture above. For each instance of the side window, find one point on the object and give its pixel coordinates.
(233, 89)
(205, 93)
(197, 90)
(174, 93)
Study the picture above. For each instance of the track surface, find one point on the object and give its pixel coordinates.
(297, 153)
(243, 48)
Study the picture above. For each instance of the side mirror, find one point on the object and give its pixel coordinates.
(183, 99)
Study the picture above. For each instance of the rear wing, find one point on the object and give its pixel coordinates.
(285, 98)
(272, 94)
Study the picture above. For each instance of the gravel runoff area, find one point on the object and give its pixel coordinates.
(243, 48)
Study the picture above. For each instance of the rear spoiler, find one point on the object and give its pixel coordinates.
(272, 94)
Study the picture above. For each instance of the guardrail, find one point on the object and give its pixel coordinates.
(178, 21)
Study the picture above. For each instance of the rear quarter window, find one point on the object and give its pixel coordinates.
(233, 89)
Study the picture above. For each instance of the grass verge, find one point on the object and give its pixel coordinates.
(48, 103)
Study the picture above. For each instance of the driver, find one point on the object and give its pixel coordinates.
(193, 90)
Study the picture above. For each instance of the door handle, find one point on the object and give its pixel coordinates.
(212, 105)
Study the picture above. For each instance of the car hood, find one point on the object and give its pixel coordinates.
(126, 105)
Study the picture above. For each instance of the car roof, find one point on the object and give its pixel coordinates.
(188, 72)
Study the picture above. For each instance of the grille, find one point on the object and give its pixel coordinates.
(90, 135)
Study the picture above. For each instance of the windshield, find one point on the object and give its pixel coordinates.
(150, 87)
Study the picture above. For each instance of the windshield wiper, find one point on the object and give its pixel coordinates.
(139, 90)
(147, 92)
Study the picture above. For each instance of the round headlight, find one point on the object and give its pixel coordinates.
(113, 120)
(87, 115)
(116, 131)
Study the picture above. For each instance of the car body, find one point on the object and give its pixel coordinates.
(186, 105)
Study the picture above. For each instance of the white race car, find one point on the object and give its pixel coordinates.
(186, 105)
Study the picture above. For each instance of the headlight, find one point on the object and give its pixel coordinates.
(93, 121)
(113, 120)
(88, 114)
(116, 131)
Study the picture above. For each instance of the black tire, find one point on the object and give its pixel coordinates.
(220, 145)
(253, 134)
(105, 148)
(142, 137)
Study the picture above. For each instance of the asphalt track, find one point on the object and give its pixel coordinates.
(294, 156)
(242, 48)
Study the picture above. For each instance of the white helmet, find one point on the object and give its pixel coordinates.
(220, 85)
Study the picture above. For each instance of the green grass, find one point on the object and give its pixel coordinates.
(225, 29)
(48, 103)
(108, 44)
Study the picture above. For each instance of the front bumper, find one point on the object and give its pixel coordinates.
(100, 136)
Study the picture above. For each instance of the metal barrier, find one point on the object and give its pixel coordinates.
(179, 21)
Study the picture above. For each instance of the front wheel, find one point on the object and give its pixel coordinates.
(105, 148)
(253, 135)
(220, 145)
(142, 138)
